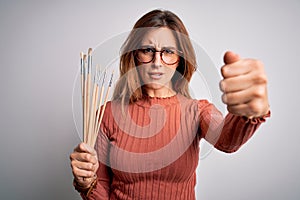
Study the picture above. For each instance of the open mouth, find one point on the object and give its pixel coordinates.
(155, 75)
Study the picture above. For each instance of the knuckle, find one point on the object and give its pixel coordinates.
(261, 78)
(222, 85)
(231, 109)
(257, 64)
(87, 156)
(73, 163)
(88, 173)
(224, 98)
(91, 173)
(90, 166)
(259, 92)
(75, 171)
(254, 63)
(81, 146)
(73, 156)
(95, 159)
(94, 152)
(95, 168)
(224, 70)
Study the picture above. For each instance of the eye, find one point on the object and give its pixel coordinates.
(147, 50)
(169, 51)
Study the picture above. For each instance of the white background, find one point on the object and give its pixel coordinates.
(39, 50)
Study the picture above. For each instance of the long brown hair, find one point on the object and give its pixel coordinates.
(128, 87)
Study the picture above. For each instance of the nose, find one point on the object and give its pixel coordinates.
(157, 59)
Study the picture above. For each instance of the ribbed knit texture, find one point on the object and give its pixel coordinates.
(151, 150)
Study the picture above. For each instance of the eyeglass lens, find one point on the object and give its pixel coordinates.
(168, 56)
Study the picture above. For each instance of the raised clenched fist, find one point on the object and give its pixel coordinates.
(244, 86)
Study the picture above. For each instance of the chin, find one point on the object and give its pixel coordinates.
(154, 86)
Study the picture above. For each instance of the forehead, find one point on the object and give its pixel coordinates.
(160, 37)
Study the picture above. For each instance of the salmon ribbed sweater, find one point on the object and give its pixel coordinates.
(151, 150)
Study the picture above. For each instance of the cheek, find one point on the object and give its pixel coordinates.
(141, 69)
(173, 67)
(142, 72)
(170, 73)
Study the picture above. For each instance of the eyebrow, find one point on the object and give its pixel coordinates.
(152, 46)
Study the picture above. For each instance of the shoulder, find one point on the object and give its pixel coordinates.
(199, 106)
(198, 102)
(204, 103)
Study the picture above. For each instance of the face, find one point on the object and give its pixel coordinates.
(157, 73)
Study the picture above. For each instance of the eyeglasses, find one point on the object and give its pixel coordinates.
(168, 56)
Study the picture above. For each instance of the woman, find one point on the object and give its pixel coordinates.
(148, 145)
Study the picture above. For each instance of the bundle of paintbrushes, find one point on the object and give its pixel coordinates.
(92, 90)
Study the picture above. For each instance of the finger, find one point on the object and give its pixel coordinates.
(238, 68)
(77, 172)
(83, 147)
(85, 182)
(235, 84)
(242, 67)
(84, 157)
(80, 148)
(254, 108)
(83, 165)
(230, 57)
(239, 97)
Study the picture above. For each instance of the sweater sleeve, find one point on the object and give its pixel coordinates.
(226, 134)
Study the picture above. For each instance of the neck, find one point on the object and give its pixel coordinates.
(160, 92)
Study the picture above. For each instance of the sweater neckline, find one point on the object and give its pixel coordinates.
(148, 101)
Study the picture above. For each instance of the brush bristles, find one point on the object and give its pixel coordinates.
(90, 51)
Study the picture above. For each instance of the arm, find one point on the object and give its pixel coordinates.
(237, 131)
(228, 134)
(244, 90)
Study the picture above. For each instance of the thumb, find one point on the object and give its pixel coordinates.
(231, 57)
(86, 148)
